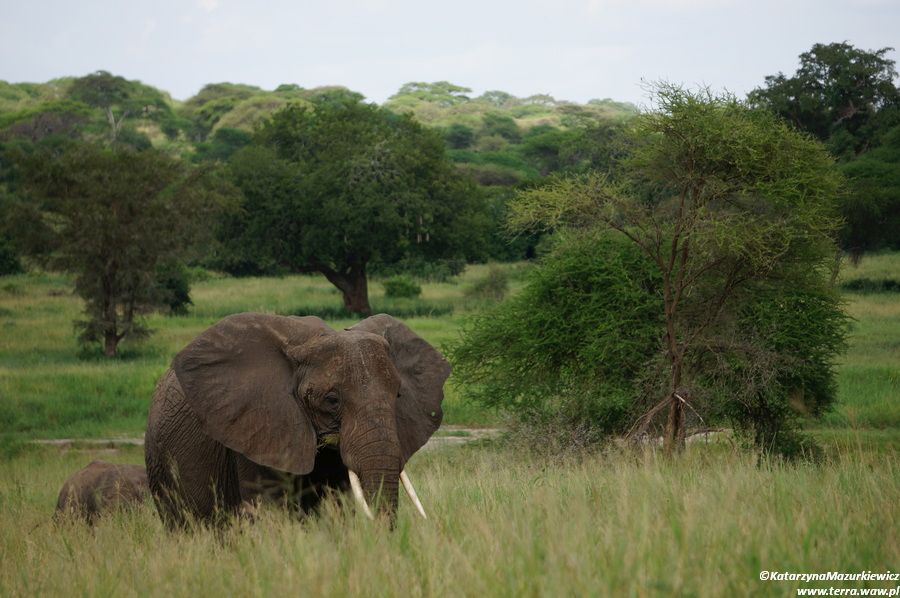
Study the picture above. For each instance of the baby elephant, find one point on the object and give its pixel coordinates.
(102, 487)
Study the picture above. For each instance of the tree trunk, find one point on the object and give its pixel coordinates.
(674, 438)
(110, 343)
(673, 442)
(354, 286)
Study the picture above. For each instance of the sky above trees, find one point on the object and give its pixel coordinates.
(572, 49)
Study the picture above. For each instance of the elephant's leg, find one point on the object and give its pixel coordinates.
(259, 483)
(303, 493)
(190, 475)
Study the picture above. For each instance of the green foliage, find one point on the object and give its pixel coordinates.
(571, 345)
(60, 117)
(501, 126)
(836, 94)
(401, 286)
(113, 218)
(120, 99)
(133, 139)
(872, 285)
(223, 144)
(9, 258)
(731, 207)
(173, 286)
(871, 209)
(493, 286)
(459, 136)
(346, 184)
(429, 270)
(442, 93)
(775, 365)
(847, 98)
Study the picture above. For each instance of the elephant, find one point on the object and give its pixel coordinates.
(102, 487)
(283, 407)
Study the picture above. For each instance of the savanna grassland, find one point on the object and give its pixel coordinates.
(503, 521)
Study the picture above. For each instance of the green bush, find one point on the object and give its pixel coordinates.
(493, 286)
(401, 286)
(440, 270)
(173, 287)
(9, 259)
(872, 285)
(569, 349)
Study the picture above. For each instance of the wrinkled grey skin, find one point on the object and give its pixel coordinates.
(102, 487)
(261, 406)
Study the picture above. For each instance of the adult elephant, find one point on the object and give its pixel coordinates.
(261, 405)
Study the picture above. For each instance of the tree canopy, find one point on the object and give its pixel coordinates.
(333, 188)
(847, 98)
(837, 94)
(735, 214)
(118, 220)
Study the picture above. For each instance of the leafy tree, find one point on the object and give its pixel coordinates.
(223, 144)
(501, 126)
(62, 117)
(442, 93)
(497, 98)
(725, 202)
(872, 209)
(459, 136)
(116, 219)
(836, 94)
(118, 98)
(9, 258)
(847, 98)
(333, 188)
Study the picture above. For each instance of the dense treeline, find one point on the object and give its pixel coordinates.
(689, 250)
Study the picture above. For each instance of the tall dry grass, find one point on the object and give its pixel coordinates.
(502, 523)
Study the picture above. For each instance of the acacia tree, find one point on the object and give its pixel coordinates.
(332, 188)
(725, 202)
(112, 93)
(113, 218)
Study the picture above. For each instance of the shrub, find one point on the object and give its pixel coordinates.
(492, 286)
(459, 136)
(442, 270)
(872, 285)
(9, 259)
(401, 286)
(173, 286)
(571, 346)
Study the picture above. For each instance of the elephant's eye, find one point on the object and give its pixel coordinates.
(331, 400)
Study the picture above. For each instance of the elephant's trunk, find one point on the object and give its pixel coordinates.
(374, 456)
(380, 481)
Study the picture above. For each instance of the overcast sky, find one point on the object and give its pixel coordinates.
(572, 49)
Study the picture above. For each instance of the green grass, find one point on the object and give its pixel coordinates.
(501, 523)
(869, 372)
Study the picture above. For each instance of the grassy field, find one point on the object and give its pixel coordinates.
(501, 524)
(502, 521)
(50, 389)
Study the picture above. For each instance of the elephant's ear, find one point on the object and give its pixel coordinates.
(423, 371)
(238, 379)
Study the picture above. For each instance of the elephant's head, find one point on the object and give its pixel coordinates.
(278, 389)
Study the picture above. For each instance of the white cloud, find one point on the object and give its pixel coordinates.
(208, 5)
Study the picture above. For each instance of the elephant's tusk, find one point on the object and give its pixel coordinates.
(407, 485)
(358, 494)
